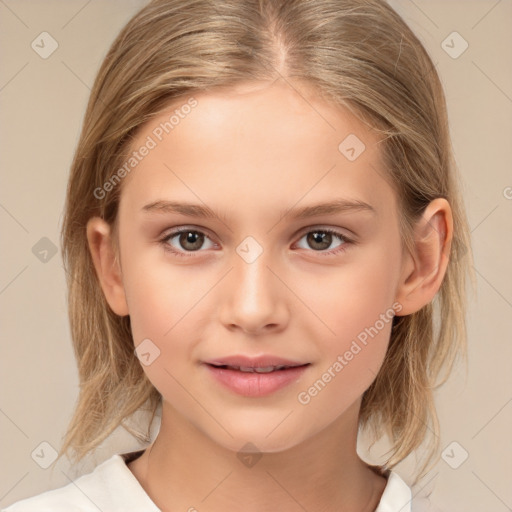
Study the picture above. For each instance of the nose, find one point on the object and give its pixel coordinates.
(253, 297)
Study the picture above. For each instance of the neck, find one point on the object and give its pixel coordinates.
(186, 470)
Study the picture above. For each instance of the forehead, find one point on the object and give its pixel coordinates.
(256, 144)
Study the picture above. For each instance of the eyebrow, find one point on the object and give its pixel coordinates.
(315, 210)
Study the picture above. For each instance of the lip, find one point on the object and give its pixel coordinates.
(252, 384)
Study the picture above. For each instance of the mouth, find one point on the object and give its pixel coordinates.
(255, 377)
(256, 369)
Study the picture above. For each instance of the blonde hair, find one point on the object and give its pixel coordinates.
(359, 54)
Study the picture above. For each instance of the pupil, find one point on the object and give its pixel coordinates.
(321, 238)
(191, 237)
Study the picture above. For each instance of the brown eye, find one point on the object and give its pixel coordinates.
(185, 241)
(321, 239)
(190, 240)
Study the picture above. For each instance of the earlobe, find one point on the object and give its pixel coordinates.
(423, 271)
(108, 270)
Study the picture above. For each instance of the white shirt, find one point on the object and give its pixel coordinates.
(112, 487)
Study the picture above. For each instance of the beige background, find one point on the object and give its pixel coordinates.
(42, 103)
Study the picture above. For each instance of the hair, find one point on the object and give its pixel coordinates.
(359, 54)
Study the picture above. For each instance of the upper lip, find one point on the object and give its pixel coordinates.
(264, 361)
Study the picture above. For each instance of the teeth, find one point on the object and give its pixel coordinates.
(268, 369)
(248, 369)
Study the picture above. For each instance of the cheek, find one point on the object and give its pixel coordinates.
(161, 297)
(358, 312)
(347, 301)
(166, 318)
(350, 366)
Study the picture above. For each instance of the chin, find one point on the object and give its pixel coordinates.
(256, 443)
(261, 436)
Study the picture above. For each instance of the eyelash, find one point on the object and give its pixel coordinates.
(164, 241)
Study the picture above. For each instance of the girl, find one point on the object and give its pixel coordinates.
(265, 245)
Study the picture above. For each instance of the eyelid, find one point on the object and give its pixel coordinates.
(176, 230)
(337, 230)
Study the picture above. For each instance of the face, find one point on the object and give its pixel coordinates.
(266, 280)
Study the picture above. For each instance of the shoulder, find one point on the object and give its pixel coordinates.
(398, 496)
(78, 495)
(111, 486)
(424, 505)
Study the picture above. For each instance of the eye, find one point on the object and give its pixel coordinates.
(321, 239)
(188, 240)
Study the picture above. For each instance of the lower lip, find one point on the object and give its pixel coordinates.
(256, 384)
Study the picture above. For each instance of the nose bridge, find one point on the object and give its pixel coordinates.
(255, 293)
(252, 277)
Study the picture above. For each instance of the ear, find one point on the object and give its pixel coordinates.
(423, 271)
(108, 269)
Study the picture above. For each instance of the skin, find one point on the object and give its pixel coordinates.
(249, 152)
